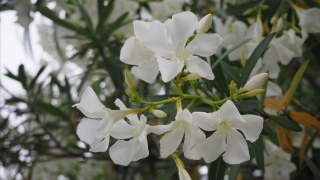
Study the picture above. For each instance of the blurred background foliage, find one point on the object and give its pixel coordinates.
(84, 37)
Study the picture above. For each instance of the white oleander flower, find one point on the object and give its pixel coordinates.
(23, 9)
(123, 152)
(277, 162)
(309, 21)
(163, 9)
(183, 126)
(225, 122)
(134, 52)
(169, 40)
(93, 131)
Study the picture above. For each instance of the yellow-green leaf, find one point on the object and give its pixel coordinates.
(295, 82)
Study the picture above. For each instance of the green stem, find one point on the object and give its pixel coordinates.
(194, 88)
(191, 104)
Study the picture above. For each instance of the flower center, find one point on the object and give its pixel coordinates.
(224, 127)
(275, 158)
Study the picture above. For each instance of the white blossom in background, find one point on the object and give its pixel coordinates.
(168, 41)
(161, 10)
(123, 151)
(309, 21)
(298, 137)
(277, 162)
(23, 9)
(95, 130)
(134, 52)
(226, 139)
(183, 126)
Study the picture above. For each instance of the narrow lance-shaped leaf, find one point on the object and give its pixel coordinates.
(267, 130)
(22, 76)
(86, 16)
(51, 109)
(219, 81)
(106, 11)
(217, 169)
(115, 25)
(225, 54)
(258, 150)
(230, 73)
(49, 14)
(253, 59)
(263, 95)
(315, 171)
(295, 82)
(33, 81)
(234, 169)
(286, 123)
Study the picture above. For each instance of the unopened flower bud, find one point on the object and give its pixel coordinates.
(129, 81)
(158, 113)
(204, 24)
(254, 83)
(190, 77)
(233, 87)
(252, 93)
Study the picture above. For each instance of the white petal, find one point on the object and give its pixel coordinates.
(157, 40)
(141, 150)
(239, 29)
(229, 111)
(106, 123)
(273, 89)
(206, 121)
(237, 149)
(191, 139)
(121, 152)
(169, 68)
(183, 26)
(184, 115)
(287, 167)
(86, 129)
(269, 147)
(235, 55)
(274, 71)
(160, 129)
(252, 127)
(183, 174)
(205, 44)
(147, 71)
(122, 130)
(141, 28)
(212, 147)
(285, 55)
(196, 65)
(102, 146)
(120, 104)
(90, 104)
(170, 142)
(133, 52)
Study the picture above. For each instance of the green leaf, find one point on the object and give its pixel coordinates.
(256, 54)
(295, 82)
(115, 25)
(217, 169)
(258, 150)
(286, 123)
(51, 109)
(267, 130)
(225, 54)
(14, 100)
(234, 169)
(238, 9)
(263, 95)
(85, 15)
(22, 76)
(33, 81)
(314, 169)
(67, 91)
(105, 15)
(50, 14)
(12, 76)
(88, 73)
(230, 73)
(219, 81)
(247, 105)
